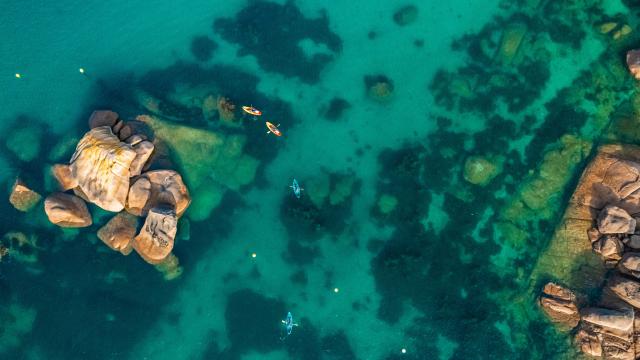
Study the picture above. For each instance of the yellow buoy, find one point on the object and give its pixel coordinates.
(18, 75)
(253, 255)
(81, 70)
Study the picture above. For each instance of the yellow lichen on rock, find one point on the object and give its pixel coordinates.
(101, 165)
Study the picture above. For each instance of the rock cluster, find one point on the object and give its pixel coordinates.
(608, 195)
(107, 169)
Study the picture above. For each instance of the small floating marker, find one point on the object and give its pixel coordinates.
(336, 290)
(18, 75)
(253, 255)
(81, 70)
(404, 351)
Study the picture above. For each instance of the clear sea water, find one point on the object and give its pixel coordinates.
(398, 256)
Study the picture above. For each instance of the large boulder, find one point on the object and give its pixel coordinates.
(610, 247)
(615, 220)
(158, 188)
(143, 149)
(589, 343)
(633, 63)
(139, 194)
(630, 264)
(155, 240)
(101, 166)
(621, 321)
(627, 289)
(67, 210)
(560, 305)
(23, 198)
(119, 232)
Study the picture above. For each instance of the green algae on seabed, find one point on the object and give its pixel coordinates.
(212, 162)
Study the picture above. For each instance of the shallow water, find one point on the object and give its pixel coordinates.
(393, 251)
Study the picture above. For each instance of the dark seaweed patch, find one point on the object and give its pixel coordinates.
(272, 33)
(202, 47)
(253, 321)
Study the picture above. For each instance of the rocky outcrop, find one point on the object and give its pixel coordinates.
(610, 248)
(614, 220)
(158, 188)
(602, 215)
(101, 166)
(627, 289)
(119, 232)
(560, 305)
(155, 240)
(616, 320)
(630, 264)
(22, 198)
(107, 169)
(67, 210)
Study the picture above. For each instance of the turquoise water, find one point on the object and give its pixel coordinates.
(393, 251)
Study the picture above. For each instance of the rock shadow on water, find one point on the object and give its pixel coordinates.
(275, 34)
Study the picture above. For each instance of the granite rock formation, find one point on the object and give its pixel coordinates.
(603, 213)
(108, 170)
(67, 210)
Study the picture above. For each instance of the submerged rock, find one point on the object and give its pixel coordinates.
(22, 198)
(560, 305)
(211, 162)
(156, 238)
(387, 203)
(405, 15)
(615, 220)
(379, 88)
(119, 232)
(101, 166)
(512, 38)
(479, 170)
(67, 210)
(170, 268)
(24, 142)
